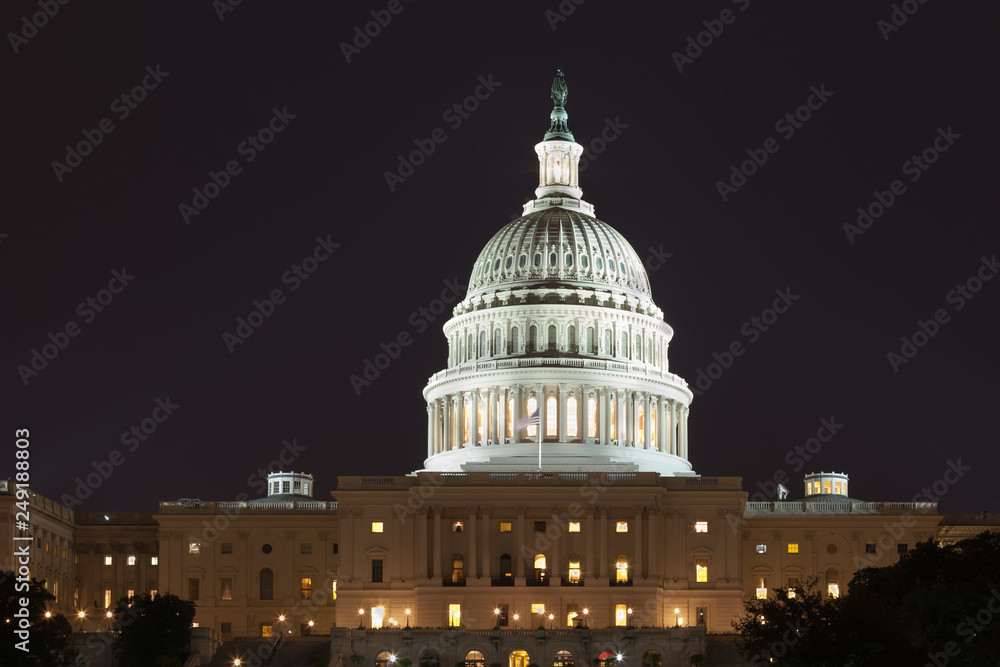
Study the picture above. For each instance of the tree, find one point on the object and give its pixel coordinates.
(937, 605)
(792, 629)
(48, 638)
(153, 630)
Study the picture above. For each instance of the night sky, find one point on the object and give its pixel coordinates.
(308, 118)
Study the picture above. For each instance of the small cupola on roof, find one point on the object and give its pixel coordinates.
(826, 484)
(289, 484)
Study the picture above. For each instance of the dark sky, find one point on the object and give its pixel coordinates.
(220, 80)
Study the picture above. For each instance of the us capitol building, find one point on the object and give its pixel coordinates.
(556, 521)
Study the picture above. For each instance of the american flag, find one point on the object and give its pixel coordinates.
(525, 422)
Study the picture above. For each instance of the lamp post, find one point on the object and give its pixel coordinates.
(109, 620)
(361, 619)
(81, 614)
(516, 619)
(407, 617)
(551, 617)
(629, 612)
(585, 612)
(496, 617)
(676, 611)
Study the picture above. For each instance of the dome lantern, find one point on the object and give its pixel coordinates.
(558, 153)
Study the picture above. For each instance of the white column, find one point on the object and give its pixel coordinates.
(561, 402)
(671, 428)
(583, 415)
(661, 425)
(474, 418)
(491, 411)
(649, 423)
(605, 416)
(542, 410)
(430, 430)
(515, 393)
(629, 419)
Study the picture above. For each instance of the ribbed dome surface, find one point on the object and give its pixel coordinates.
(558, 246)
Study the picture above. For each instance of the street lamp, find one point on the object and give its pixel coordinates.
(585, 612)
(676, 611)
(237, 662)
(516, 619)
(109, 620)
(407, 612)
(629, 612)
(496, 617)
(81, 615)
(551, 617)
(361, 619)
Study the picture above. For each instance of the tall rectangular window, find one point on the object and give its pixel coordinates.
(107, 598)
(306, 588)
(376, 570)
(131, 560)
(378, 615)
(621, 615)
(454, 615)
(571, 417)
(572, 613)
(503, 618)
(154, 560)
(194, 588)
(551, 416)
(591, 417)
(107, 560)
(130, 593)
(227, 588)
(701, 570)
(333, 591)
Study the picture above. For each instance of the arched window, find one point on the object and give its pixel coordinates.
(430, 659)
(623, 350)
(532, 430)
(267, 584)
(637, 350)
(481, 423)
(611, 418)
(474, 659)
(533, 338)
(457, 569)
(574, 568)
(652, 659)
(591, 417)
(465, 423)
(482, 344)
(469, 348)
(540, 568)
(496, 342)
(383, 659)
(563, 659)
(552, 337)
(641, 436)
(652, 427)
(621, 569)
(505, 567)
(591, 341)
(571, 334)
(650, 357)
(607, 342)
(513, 341)
(551, 417)
(538, 259)
(571, 417)
(510, 418)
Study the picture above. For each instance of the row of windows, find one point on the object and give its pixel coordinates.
(572, 527)
(614, 266)
(870, 548)
(638, 351)
(793, 586)
(194, 548)
(265, 589)
(130, 560)
(285, 486)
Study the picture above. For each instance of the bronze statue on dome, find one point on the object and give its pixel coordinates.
(559, 89)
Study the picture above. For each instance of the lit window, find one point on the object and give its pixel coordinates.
(793, 547)
(107, 598)
(836, 488)
(333, 590)
(376, 526)
(537, 607)
(621, 527)
(621, 568)
(591, 417)
(107, 560)
(762, 548)
(505, 526)
(130, 593)
(572, 613)
(574, 526)
(306, 587)
(701, 570)
(194, 548)
(457, 526)
(154, 560)
(227, 588)
(454, 615)
(64, 554)
(457, 569)
(611, 415)
(571, 417)
(551, 416)
(131, 560)
(652, 427)
(532, 429)
(574, 569)
(378, 613)
(826, 486)
(153, 592)
(761, 588)
(701, 526)
(48, 546)
(621, 615)
(641, 437)
(833, 590)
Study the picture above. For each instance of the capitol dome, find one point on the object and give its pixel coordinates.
(558, 245)
(558, 355)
